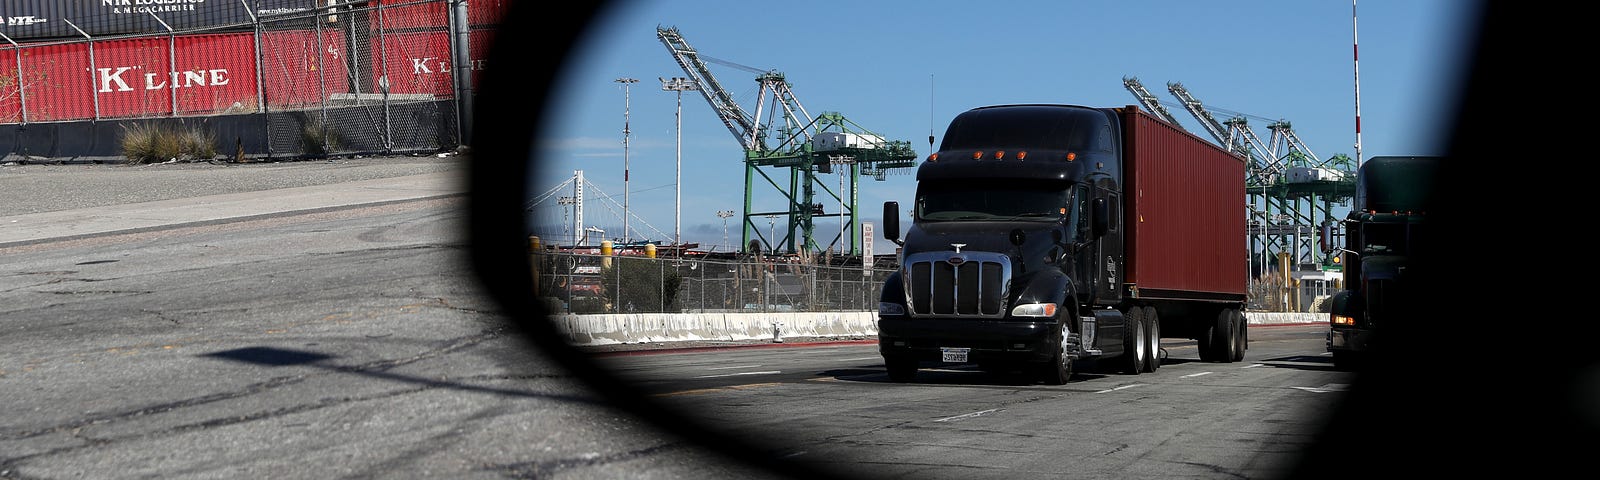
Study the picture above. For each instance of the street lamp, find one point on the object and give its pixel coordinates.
(772, 237)
(843, 164)
(724, 214)
(678, 85)
(626, 83)
(567, 201)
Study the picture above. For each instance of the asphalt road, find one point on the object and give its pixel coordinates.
(300, 320)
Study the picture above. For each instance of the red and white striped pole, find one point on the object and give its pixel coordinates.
(1356, 58)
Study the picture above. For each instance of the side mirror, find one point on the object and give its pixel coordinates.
(1100, 217)
(891, 222)
(1324, 241)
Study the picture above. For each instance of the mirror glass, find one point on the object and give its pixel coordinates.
(700, 200)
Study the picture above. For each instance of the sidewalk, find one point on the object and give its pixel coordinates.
(256, 198)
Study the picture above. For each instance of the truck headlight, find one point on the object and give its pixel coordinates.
(1034, 310)
(891, 308)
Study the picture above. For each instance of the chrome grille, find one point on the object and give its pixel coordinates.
(966, 284)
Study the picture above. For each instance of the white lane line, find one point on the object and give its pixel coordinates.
(1254, 365)
(1196, 374)
(858, 359)
(1121, 387)
(1332, 387)
(969, 415)
(771, 372)
(731, 368)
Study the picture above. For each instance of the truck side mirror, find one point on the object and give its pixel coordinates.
(1325, 240)
(1100, 217)
(891, 222)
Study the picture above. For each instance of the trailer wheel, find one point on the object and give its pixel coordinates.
(1223, 338)
(1203, 342)
(1059, 370)
(902, 368)
(1152, 330)
(1241, 335)
(1135, 345)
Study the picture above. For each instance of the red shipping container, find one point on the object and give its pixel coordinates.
(196, 74)
(1186, 212)
(422, 63)
(428, 14)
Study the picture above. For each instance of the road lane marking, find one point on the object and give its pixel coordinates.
(858, 359)
(711, 390)
(768, 372)
(1121, 387)
(1332, 387)
(969, 415)
(731, 368)
(1196, 374)
(1254, 365)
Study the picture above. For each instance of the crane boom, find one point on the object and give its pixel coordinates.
(1148, 100)
(739, 123)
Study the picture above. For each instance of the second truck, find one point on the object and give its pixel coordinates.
(1388, 219)
(1043, 235)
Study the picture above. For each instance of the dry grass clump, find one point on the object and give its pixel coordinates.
(155, 143)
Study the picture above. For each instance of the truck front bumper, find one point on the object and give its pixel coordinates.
(986, 340)
(1349, 339)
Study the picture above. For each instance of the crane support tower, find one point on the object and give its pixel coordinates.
(791, 141)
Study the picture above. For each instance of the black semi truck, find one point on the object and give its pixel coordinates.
(1046, 234)
(1386, 219)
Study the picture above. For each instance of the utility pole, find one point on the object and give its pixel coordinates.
(626, 83)
(678, 85)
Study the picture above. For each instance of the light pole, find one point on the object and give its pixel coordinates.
(724, 214)
(568, 201)
(626, 84)
(772, 237)
(842, 163)
(678, 85)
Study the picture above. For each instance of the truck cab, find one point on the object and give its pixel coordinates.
(1389, 216)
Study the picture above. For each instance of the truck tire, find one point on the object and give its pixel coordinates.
(1241, 334)
(1203, 342)
(1135, 343)
(1222, 337)
(1152, 331)
(901, 369)
(1059, 370)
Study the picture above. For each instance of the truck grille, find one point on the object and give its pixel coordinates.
(957, 284)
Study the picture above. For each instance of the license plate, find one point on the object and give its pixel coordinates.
(955, 355)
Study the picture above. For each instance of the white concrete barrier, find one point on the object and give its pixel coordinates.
(611, 329)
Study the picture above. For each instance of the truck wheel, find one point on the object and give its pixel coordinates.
(1059, 370)
(1203, 342)
(1152, 330)
(1241, 335)
(1222, 337)
(901, 369)
(1134, 342)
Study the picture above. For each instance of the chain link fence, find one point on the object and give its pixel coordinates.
(571, 283)
(579, 283)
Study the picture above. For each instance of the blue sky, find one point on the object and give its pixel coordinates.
(903, 69)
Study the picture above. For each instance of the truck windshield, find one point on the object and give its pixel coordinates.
(983, 200)
(1391, 238)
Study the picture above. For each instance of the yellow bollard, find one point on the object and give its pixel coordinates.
(606, 250)
(650, 250)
